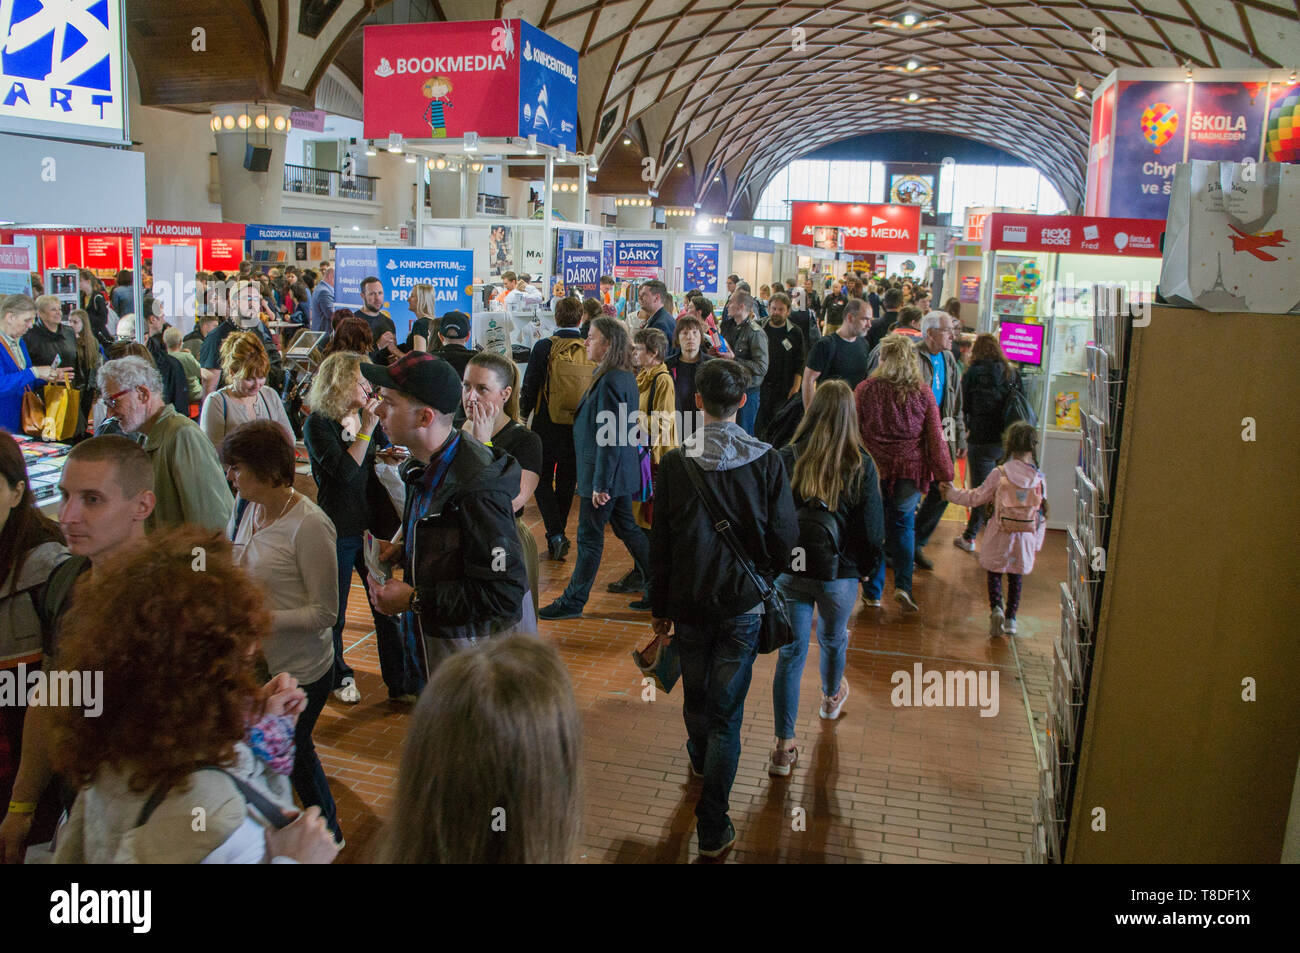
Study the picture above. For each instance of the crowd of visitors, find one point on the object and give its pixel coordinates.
(760, 460)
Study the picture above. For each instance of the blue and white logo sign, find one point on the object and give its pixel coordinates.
(61, 69)
(702, 267)
(582, 271)
(401, 269)
(638, 258)
(548, 89)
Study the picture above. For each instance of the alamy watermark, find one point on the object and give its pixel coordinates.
(660, 428)
(53, 689)
(951, 689)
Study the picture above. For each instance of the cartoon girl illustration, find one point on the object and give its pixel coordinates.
(437, 89)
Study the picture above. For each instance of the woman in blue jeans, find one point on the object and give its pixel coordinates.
(841, 528)
(341, 434)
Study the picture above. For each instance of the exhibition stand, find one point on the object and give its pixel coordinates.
(280, 245)
(1037, 295)
(106, 251)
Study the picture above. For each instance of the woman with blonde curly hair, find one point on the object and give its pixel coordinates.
(343, 438)
(899, 421)
(246, 396)
(178, 653)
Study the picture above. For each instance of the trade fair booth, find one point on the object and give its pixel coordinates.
(272, 245)
(1037, 295)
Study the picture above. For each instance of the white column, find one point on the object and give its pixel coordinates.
(548, 239)
(421, 169)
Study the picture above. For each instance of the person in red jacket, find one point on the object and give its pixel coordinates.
(900, 427)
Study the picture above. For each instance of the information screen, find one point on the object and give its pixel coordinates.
(1022, 343)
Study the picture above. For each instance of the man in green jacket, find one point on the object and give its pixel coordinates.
(188, 479)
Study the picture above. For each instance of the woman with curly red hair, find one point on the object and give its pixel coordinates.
(177, 646)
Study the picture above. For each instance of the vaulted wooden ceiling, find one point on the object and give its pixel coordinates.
(734, 89)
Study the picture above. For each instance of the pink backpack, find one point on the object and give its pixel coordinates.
(1016, 507)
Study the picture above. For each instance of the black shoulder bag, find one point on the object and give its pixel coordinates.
(775, 631)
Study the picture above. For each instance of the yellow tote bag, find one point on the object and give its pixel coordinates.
(62, 408)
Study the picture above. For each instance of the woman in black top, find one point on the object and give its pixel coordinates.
(986, 385)
(490, 396)
(341, 434)
(95, 304)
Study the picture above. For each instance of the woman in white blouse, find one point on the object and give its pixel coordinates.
(245, 396)
(285, 543)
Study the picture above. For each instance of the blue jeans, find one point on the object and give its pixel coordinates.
(900, 539)
(591, 544)
(399, 661)
(308, 776)
(746, 416)
(929, 515)
(834, 601)
(981, 460)
(717, 660)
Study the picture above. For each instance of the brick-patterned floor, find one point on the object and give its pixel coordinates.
(882, 784)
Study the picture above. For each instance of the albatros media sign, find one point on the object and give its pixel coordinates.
(860, 226)
(496, 78)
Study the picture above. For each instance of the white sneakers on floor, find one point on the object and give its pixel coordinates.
(996, 619)
(348, 693)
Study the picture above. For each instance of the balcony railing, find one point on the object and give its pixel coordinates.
(308, 181)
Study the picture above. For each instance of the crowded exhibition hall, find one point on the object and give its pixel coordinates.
(648, 432)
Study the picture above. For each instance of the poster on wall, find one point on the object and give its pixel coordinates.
(607, 259)
(15, 270)
(912, 189)
(500, 250)
(1227, 120)
(702, 267)
(1151, 124)
(450, 271)
(968, 290)
(1282, 139)
(638, 258)
(581, 271)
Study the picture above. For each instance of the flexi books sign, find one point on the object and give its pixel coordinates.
(495, 78)
(400, 270)
(1075, 234)
(61, 69)
(863, 227)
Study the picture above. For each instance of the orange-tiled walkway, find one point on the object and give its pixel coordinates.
(883, 784)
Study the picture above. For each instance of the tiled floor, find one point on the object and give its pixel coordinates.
(883, 784)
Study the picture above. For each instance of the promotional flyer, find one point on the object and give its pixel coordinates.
(450, 272)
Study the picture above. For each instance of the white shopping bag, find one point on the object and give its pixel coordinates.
(392, 482)
(1232, 237)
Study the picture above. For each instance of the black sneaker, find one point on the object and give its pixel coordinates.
(728, 839)
(557, 547)
(632, 582)
(641, 605)
(559, 610)
(922, 560)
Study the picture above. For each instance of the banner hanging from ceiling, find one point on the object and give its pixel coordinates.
(495, 78)
(856, 227)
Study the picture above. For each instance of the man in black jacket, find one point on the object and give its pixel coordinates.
(463, 564)
(697, 583)
(654, 297)
(893, 301)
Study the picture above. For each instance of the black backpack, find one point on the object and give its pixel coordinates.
(819, 541)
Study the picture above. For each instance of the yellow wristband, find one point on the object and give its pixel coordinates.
(363, 436)
(22, 807)
(487, 443)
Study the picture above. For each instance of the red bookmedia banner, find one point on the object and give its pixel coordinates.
(862, 227)
(1075, 235)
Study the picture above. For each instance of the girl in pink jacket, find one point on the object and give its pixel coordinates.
(1014, 533)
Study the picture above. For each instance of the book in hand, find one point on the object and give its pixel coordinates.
(374, 565)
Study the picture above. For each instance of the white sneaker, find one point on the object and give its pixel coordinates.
(995, 622)
(904, 599)
(961, 542)
(348, 692)
(830, 708)
(1009, 627)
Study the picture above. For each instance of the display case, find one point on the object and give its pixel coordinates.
(1041, 272)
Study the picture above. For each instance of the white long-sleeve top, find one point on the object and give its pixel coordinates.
(295, 562)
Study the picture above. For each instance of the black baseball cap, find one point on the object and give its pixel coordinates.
(422, 376)
(454, 324)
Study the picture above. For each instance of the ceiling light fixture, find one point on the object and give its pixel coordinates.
(592, 164)
(911, 66)
(370, 148)
(440, 163)
(410, 160)
(243, 121)
(1188, 67)
(909, 22)
(476, 166)
(280, 124)
(626, 141)
(532, 145)
(228, 122)
(260, 121)
(1079, 92)
(681, 165)
(914, 99)
(215, 124)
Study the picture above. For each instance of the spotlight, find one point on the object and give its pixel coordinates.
(395, 142)
(913, 66)
(717, 178)
(471, 142)
(440, 163)
(592, 164)
(626, 141)
(909, 19)
(1188, 67)
(429, 164)
(242, 121)
(215, 124)
(1079, 91)
(280, 124)
(228, 122)
(681, 165)
(260, 121)
(476, 166)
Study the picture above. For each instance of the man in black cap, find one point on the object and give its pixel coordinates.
(453, 332)
(462, 562)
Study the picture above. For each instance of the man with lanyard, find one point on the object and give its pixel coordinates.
(942, 374)
(463, 567)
